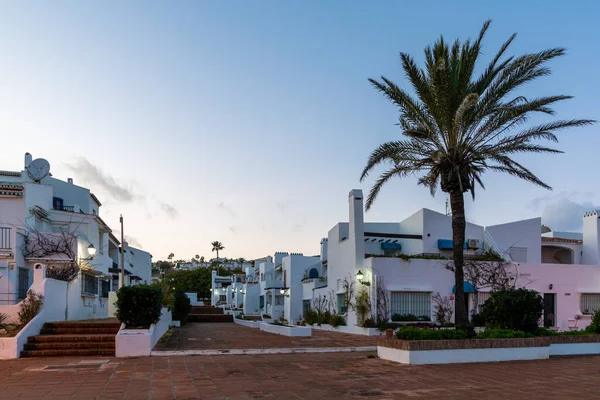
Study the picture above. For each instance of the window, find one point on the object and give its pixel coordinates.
(482, 297)
(223, 297)
(279, 300)
(262, 301)
(590, 302)
(105, 289)
(89, 284)
(341, 303)
(305, 306)
(415, 303)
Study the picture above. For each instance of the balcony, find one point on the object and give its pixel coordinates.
(273, 284)
(60, 207)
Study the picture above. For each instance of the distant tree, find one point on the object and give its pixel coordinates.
(196, 257)
(458, 125)
(202, 259)
(546, 229)
(216, 246)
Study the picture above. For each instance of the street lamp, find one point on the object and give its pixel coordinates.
(360, 276)
(91, 250)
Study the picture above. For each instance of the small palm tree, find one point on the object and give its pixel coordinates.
(170, 257)
(459, 126)
(216, 246)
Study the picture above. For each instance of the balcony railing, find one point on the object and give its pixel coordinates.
(273, 284)
(5, 236)
(64, 208)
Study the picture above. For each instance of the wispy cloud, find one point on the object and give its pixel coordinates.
(131, 240)
(564, 211)
(170, 210)
(95, 177)
(232, 229)
(226, 208)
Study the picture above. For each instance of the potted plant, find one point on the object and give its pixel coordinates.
(389, 332)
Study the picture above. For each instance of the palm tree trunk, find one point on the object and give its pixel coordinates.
(218, 264)
(457, 203)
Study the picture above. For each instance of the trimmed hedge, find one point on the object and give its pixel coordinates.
(410, 333)
(515, 309)
(180, 306)
(139, 306)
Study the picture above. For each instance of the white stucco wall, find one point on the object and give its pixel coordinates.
(142, 264)
(519, 234)
(294, 267)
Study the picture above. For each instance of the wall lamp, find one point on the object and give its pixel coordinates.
(91, 252)
(360, 276)
(285, 292)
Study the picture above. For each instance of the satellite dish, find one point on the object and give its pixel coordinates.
(38, 169)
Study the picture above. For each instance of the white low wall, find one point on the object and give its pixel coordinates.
(294, 331)
(247, 323)
(354, 330)
(573, 349)
(140, 342)
(12, 347)
(462, 355)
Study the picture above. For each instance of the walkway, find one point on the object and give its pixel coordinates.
(213, 336)
(300, 376)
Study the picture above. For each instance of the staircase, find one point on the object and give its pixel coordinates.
(77, 338)
(208, 314)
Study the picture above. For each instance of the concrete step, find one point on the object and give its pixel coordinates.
(206, 310)
(68, 352)
(71, 338)
(70, 346)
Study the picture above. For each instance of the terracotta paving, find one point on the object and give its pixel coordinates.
(204, 336)
(298, 376)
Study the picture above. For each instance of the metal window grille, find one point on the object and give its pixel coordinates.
(341, 303)
(415, 303)
(590, 302)
(89, 284)
(105, 289)
(5, 238)
(482, 297)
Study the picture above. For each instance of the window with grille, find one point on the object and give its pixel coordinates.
(482, 297)
(105, 289)
(341, 303)
(411, 303)
(305, 306)
(262, 301)
(590, 302)
(279, 300)
(89, 284)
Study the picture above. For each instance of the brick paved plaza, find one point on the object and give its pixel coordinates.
(212, 336)
(298, 376)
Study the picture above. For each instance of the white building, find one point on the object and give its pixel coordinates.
(224, 264)
(571, 292)
(56, 224)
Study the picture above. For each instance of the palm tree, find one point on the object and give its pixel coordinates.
(459, 126)
(216, 246)
(241, 262)
(170, 257)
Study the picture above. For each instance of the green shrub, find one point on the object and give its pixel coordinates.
(410, 333)
(477, 320)
(502, 334)
(404, 317)
(180, 306)
(139, 306)
(267, 316)
(594, 326)
(337, 320)
(310, 317)
(3, 320)
(30, 307)
(515, 309)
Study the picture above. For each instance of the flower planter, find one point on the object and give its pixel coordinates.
(247, 323)
(389, 333)
(286, 330)
(353, 330)
(420, 352)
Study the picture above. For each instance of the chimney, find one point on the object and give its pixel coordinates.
(28, 159)
(70, 180)
(357, 227)
(324, 243)
(591, 239)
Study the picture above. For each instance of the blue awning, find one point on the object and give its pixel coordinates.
(391, 246)
(468, 288)
(448, 244)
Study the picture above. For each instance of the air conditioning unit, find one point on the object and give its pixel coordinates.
(473, 244)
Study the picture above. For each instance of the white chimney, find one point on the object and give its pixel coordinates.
(357, 227)
(591, 239)
(28, 159)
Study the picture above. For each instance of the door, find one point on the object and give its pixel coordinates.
(549, 310)
(23, 282)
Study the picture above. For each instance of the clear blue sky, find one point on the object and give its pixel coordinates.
(249, 121)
